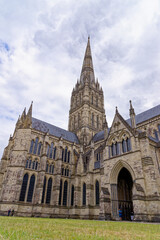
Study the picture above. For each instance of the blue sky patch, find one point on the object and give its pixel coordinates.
(4, 45)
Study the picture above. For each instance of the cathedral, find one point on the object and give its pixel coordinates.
(90, 171)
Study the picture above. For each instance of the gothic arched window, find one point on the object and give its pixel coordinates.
(128, 143)
(62, 153)
(112, 149)
(84, 194)
(124, 146)
(65, 193)
(72, 195)
(97, 192)
(62, 171)
(116, 149)
(31, 147)
(68, 156)
(92, 119)
(54, 153)
(51, 150)
(39, 148)
(44, 188)
(97, 121)
(48, 147)
(49, 188)
(36, 165)
(30, 162)
(35, 146)
(24, 188)
(31, 189)
(60, 192)
(52, 169)
(65, 156)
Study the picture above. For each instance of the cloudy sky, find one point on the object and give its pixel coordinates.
(42, 45)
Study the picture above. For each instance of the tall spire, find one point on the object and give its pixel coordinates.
(87, 67)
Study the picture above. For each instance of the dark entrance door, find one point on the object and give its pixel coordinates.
(124, 187)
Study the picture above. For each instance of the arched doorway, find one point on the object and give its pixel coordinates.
(124, 192)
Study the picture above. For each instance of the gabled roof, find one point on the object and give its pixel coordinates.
(141, 117)
(146, 115)
(53, 130)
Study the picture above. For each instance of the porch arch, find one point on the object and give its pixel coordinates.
(114, 186)
(117, 168)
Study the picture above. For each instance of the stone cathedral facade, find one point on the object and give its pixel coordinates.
(90, 171)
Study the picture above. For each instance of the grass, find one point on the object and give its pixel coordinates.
(14, 228)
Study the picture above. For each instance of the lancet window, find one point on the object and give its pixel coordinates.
(24, 188)
(65, 190)
(50, 168)
(72, 195)
(92, 119)
(35, 147)
(32, 164)
(97, 192)
(126, 145)
(44, 188)
(65, 172)
(115, 149)
(66, 155)
(60, 192)
(51, 151)
(84, 195)
(31, 188)
(49, 188)
(97, 121)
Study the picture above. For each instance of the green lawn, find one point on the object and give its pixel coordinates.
(43, 228)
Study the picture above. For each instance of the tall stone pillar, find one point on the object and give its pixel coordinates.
(56, 188)
(13, 177)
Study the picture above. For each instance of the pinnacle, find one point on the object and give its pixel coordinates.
(130, 104)
(131, 110)
(29, 114)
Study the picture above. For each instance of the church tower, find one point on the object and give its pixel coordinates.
(87, 114)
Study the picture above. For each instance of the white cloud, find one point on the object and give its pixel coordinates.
(46, 43)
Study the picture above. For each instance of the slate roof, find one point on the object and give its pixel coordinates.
(99, 136)
(53, 130)
(144, 116)
(72, 137)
